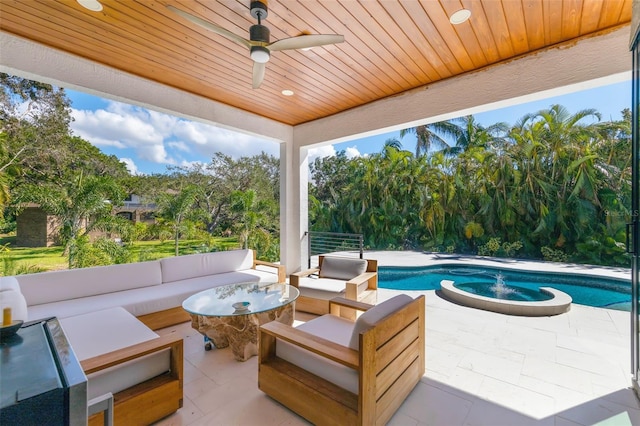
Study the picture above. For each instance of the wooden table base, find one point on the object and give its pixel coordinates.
(240, 331)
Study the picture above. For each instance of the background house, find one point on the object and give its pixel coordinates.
(36, 228)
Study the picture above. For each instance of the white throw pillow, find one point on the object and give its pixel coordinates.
(14, 300)
(9, 283)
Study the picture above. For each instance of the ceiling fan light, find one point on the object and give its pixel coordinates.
(460, 16)
(260, 54)
(92, 5)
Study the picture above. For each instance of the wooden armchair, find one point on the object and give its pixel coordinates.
(334, 371)
(351, 278)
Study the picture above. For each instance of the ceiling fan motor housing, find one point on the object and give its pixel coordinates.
(259, 33)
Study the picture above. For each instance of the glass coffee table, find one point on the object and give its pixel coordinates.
(230, 315)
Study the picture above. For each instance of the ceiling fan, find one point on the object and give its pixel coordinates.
(258, 43)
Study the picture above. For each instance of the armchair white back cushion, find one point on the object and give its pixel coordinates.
(371, 317)
(342, 268)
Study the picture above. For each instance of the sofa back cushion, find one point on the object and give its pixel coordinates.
(342, 268)
(199, 265)
(374, 315)
(47, 287)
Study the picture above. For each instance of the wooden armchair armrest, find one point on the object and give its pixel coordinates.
(371, 278)
(348, 303)
(318, 345)
(294, 279)
(171, 341)
(282, 272)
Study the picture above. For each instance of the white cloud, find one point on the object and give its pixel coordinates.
(207, 140)
(161, 138)
(330, 151)
(321, 152)
(352, 152)
(131, 165)
(179, 146)
(121, 127)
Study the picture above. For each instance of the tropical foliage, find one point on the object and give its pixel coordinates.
(556, 185)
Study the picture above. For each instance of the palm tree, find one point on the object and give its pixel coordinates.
(175, 210)
(432, 136)
(243, 204)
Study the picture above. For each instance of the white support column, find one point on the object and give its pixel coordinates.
(294, 168)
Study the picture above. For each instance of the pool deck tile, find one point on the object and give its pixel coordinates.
(482, 368)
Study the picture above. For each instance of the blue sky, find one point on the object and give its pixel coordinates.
(149, 141)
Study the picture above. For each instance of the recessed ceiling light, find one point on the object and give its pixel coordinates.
(460, 16)
(93, 5)
(287, 92)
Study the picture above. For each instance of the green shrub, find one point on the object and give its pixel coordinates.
(553, 255)
(104, 251)
(495, 248)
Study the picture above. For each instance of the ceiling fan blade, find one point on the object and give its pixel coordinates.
(258, 74)
(305, 41)
(211, 27)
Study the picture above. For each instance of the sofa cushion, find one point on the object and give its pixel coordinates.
(104, 331)
(371, 317)
(342, 268)
(198, 265)
(334, 329)
(46, 287)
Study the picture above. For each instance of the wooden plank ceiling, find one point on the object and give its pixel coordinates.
(390, 46)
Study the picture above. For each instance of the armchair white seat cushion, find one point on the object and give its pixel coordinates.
(330, 327)
(325, 288)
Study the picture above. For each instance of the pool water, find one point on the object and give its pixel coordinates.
(599, 292)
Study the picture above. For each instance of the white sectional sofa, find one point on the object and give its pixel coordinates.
(152, 291)
(108, 314)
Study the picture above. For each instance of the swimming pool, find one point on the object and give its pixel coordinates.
(599, 292)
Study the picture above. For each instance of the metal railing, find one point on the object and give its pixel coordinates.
(330, 242)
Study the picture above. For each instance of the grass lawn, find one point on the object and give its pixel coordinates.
(38, 259)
